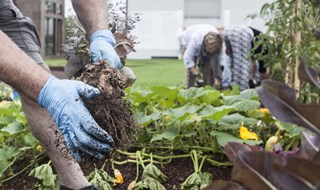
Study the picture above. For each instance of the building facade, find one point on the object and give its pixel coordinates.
(48, 16)
(161, 21)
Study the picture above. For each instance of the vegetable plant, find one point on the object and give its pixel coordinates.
(274, 168)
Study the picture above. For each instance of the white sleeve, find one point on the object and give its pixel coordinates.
(190, 53)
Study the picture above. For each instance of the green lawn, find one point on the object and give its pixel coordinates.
(152, 72)
(149, 72)
(56, 62)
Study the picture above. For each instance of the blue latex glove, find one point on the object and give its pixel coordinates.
(62, 99)
(101, 48)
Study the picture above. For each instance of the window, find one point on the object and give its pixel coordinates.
(50, 7)
(202, 8)
(49, 38)
(58, 9)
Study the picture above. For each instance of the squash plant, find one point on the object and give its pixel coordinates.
(298, 168)
(203, 119)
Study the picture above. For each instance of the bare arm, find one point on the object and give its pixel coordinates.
(20, 71)
(93, 14)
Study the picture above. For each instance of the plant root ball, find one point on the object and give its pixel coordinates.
(110, 110)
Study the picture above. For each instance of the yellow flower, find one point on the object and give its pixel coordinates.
(245, 134)
(264, 111)
(118, 177)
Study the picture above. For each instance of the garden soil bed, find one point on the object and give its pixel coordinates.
(176, 171)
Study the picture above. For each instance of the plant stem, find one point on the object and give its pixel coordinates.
(21, 171)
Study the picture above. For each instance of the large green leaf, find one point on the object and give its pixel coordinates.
(250, 94)
(13, 128)
(234, 121)
(210, 96)
(169, 134)
(215, 113)
(246, 101)
(182, 112)
(280, 99)
(145, 120)
(246, 105)
(223, 138)
(165, 92)
(192, 93)
(8, 153)
(4, 120)
(44, 174)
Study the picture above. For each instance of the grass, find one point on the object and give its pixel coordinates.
(56, 62)
(149, 72)
(154, 72)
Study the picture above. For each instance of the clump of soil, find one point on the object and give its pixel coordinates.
(110, 110)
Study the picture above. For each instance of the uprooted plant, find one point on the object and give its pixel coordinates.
(110, 110)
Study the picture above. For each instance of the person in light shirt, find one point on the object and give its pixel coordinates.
(202, 56)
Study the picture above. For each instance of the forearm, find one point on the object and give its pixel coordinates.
(93, 14)
(20, 71)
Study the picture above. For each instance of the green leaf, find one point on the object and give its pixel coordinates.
(145, 120)
(13, 128)
(192, 182)
(45, 176)
(183, 112)
(215, 113)
(169, 134)
(210, 96)
(149, 183)
(246, 105)
(153, 171)
(4, 166)
(234, 121)
(197, 180)
(291, 129)
(8, 153)
(101, 179)
(223, 138)
(165, 92)
(30, 140)
(188, 133)
(5, 119)
(250, 94)
(191, 93)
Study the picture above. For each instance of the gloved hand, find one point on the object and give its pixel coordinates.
(101, 48)
(252, 84)
(62, 99)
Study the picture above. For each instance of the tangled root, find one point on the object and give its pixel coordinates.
(110, 110)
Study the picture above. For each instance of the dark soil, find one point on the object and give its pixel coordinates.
(176, 171)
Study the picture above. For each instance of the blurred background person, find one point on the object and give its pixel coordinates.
(203, 49)
(241, 70)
